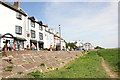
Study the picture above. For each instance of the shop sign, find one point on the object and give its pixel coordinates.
(28, 35)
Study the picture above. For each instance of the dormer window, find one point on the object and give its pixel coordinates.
(19, 16)
(40, 27)
(32, 24)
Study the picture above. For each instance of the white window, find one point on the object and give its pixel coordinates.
(40, 27)
(19, 16)
(32, 34)
(18, 30)
(41, 36)
(32, 24)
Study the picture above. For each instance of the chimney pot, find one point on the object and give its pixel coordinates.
(17, 4)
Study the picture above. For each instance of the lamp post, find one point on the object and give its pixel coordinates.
(60, 35)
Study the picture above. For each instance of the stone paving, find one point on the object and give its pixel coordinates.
(27, 61)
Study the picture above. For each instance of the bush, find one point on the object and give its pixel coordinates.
(42, 64)
(20, 72)
(36, 74)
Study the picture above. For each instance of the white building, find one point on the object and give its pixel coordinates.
(35, 31)
(19, 29)
(13, 24)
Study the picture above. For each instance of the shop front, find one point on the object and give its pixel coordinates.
(11, 43)
(19, 42)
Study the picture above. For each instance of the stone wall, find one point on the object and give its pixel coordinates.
(27, 61)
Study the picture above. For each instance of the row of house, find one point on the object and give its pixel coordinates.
(83, 46)
(18, 28)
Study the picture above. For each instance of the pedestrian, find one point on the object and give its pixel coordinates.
(18, 46)
(51, 47)
(63, 48)
(27, 47)
(8, 46)
(11, 46)
(33, 46)
(14, 47)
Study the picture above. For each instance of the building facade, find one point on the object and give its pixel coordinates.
(21, 31)
(13, 24)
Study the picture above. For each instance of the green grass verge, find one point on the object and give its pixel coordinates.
(87, 66)
(111, 57)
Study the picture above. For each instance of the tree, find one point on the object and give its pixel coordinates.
(72, 45)
(98, 47)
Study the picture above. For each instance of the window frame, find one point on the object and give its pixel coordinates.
(32, 24)
(19, 16)
(19, 31)
(40, 36)
(33, 33)
(40, 27)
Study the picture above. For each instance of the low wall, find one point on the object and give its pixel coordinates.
(27, 61)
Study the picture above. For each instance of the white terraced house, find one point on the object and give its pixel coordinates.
(18, 29)
(36, 30)
(13, 22)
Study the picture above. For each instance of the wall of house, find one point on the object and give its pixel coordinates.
(63, 44)
(51, 39)
(9, 21)
(46, 40)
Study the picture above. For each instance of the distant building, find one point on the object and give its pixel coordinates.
(88, 46)
(83, 46)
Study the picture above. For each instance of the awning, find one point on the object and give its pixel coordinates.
(7, 35)
(21, 39)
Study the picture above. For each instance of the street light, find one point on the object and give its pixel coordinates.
(60, 35)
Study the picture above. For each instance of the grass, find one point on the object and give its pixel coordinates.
(20, 72)
(111, 57)
(42, 64)
(8, 68)
(87, 66)
(35, 74)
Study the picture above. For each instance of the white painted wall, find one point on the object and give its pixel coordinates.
(8, 21)
(46, 40)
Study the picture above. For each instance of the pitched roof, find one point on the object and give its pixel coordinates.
(13, 7)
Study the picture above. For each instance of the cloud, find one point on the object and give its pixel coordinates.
(85, 21)
(63, 0)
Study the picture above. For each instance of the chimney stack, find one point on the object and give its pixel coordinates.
(46, 25)
(17, 4)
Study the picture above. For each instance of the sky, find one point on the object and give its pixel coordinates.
(94, 22)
